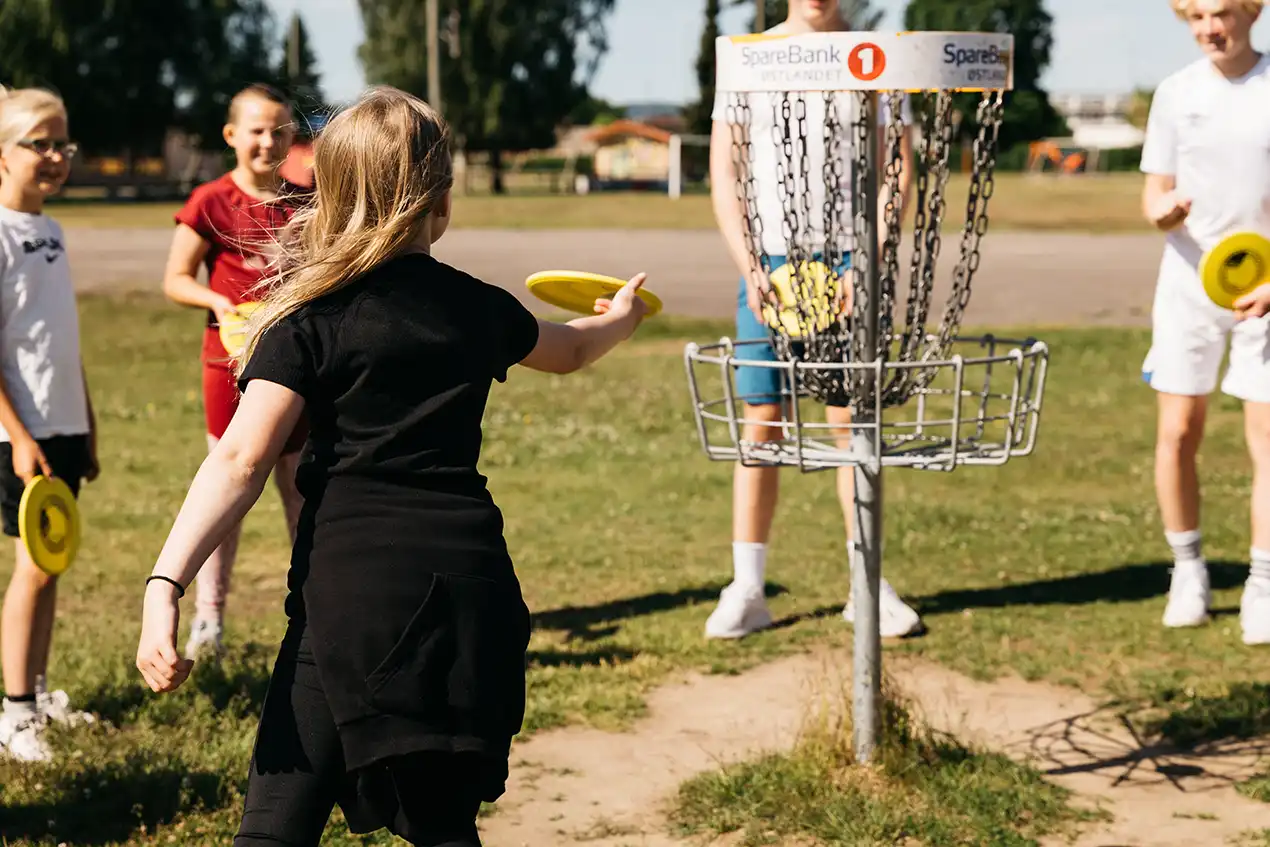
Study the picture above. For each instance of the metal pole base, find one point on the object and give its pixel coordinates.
(866, 578)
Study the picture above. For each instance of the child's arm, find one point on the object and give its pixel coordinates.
(227, 484)
(569, 347)
(180, 277)
(28, 458)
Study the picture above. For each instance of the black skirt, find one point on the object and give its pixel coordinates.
(418, 626)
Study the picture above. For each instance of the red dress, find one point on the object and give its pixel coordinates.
(240, 231)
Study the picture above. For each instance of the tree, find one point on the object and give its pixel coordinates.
(125, 84)
(698, 114)
(516, 70)
(857, 13)
(297, 68)
(1029, 115)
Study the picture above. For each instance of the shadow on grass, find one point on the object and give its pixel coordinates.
(109, 803)
(237, 682)
(1242, 712)
(589, 623)
(590, 658)
(1125, 584)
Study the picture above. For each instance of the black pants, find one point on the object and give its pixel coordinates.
(298, 776)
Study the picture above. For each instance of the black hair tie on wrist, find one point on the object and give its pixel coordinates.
(179, 587)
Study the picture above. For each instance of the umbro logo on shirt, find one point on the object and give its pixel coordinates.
(52, 245)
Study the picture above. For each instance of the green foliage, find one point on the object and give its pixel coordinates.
(1029, 115)
(131, 69)
(521, 67)
(698, 114)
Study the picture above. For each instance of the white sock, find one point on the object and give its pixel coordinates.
(1260, 570)
(748, 563)
(1185, 546)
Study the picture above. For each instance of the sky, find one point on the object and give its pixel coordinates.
(1101, 46)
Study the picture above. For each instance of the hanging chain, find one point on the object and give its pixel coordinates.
(981, 188)
(862, 256)
(889, 187)
(931, 160)
(738, 116)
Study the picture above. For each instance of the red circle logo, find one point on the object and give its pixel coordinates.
(866, 62)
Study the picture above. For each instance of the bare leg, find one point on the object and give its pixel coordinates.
(846, 475)
(742, 608)
(1180, 430)
(1254, 608)
(1257, 433)
(755, 491)
(27, 625)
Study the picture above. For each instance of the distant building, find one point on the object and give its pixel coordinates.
(1098, 121)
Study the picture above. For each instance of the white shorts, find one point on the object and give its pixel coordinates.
(1188, 343)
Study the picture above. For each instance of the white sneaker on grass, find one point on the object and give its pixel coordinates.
(1189, 596)
(22, 736)
(1254, 613)
(56, 706)
(896, 618)
(742, 610)
(205, 635)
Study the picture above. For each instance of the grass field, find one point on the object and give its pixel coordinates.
(1052, 567)
(1107, 203)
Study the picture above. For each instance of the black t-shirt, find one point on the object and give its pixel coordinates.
(395, 370)
(398, 529)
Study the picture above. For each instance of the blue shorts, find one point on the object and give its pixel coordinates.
(760, 386)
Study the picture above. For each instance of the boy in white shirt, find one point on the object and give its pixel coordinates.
(1207, 161)
(742, 608)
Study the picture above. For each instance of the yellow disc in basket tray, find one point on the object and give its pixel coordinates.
(233, 333)
(577, 291)
(1237, 265)
(816, 286)
(48, 524)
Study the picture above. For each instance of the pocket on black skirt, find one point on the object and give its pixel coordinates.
(460, 663)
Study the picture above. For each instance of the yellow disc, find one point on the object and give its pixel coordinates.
(1237, 265)
(577, 291)
(816, 286)
(48, 524)
(233, 327)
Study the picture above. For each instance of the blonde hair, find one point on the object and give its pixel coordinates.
(1182, 8)
(22, 109)
(380, 167)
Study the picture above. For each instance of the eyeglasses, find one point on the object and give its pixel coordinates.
(45, 146)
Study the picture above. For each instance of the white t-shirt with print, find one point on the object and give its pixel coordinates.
(1213, 135)
(764, 119)
(39, 328)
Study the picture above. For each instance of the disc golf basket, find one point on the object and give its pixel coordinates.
(921, 395)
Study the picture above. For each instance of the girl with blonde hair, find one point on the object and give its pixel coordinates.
(47, 426)
(400, 682)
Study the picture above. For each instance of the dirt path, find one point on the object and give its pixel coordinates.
(608, 789)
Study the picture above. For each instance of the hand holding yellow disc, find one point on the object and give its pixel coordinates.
(577, 291)
(48, 524)
(816, 286)
(232, 331)
(1236, 266)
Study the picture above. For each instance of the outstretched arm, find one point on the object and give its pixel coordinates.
(565, 348)
(227, 484)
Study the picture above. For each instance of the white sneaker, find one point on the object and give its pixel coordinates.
(22, 737)
(1189, 596)
(897, 618)
(56, 706)
(204, 635)
(742, 609)
(1254, 613)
